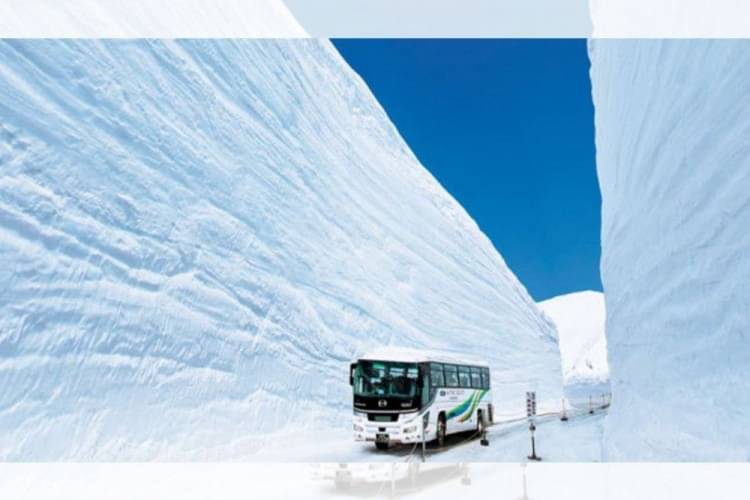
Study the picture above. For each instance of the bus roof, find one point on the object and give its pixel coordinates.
(407, 355)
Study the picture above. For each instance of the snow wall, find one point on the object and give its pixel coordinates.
(673, 157)
(580, 318)
(197, 237)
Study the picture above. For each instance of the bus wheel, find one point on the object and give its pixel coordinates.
(441, 430)
(381, 445)
(480, 422)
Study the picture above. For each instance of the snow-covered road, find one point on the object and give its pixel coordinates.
(577, 440)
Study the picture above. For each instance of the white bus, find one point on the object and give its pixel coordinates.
(396, 390)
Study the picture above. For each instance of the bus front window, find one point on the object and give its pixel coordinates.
(385, 378)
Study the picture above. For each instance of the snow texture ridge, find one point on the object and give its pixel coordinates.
(673, 159)
(198, 236)
(579, 318)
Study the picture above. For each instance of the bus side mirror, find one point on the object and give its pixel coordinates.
(352, 367)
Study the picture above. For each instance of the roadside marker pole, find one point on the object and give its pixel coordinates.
(530, 413)
(591, 404)
(424, 426)
(533, 455)
(564, 417)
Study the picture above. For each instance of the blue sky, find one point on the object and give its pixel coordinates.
(506, 126)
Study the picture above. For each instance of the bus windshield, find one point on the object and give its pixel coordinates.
(385, 378)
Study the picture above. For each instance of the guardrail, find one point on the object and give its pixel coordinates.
(596, 403)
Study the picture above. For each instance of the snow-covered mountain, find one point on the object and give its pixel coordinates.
(580, 319)
(198, 236)
(673, 158)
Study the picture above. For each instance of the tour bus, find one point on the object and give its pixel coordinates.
(397, 390)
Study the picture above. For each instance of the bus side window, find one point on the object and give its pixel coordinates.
(476, 378)
(464, 378)
(485, 378)
(436, 370)
(451, 376)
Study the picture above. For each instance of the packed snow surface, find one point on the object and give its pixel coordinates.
(580, 319)
(197, 238)
(673, 158)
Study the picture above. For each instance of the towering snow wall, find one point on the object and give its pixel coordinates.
(580, 318)
(673, 156)
(198, 236)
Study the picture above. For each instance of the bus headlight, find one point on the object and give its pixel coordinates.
(410, 429)
(358, 428)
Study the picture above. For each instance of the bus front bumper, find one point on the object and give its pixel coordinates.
(393, 433)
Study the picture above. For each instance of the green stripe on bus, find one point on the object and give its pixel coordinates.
(467, 407)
